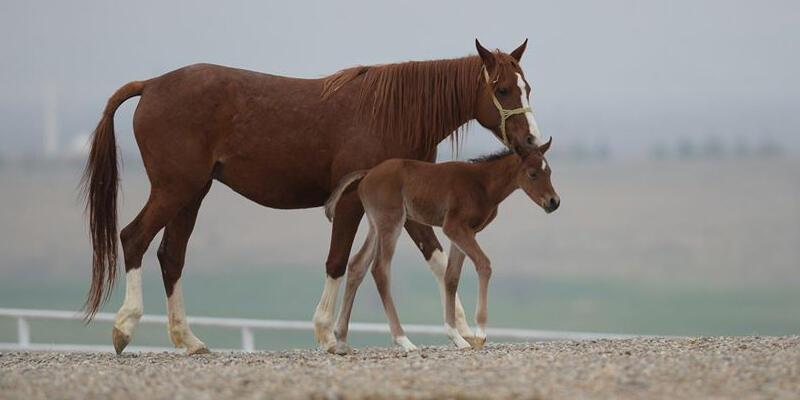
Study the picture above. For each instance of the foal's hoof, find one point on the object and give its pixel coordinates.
(406, 344)
(342, 349)
(120, 340)
(199, 350)
(476, 342)
(329, 348)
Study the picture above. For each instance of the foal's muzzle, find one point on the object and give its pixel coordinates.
(552, 205)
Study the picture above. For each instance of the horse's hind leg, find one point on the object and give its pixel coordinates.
(355, 274)
(161, 207)
(388, 230)
(425, 239)
(345, 226)
(171, 256)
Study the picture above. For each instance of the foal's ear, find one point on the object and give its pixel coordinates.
(517, 53)
(543, 148)
(486, 55)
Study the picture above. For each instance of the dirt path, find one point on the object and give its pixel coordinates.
(742, 367)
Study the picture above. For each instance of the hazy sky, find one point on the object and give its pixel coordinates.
(627, 72)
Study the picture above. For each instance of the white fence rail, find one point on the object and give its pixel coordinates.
(247, 327)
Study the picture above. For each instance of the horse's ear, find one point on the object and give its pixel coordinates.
(517, 53)
(486, 55)
(543, 148)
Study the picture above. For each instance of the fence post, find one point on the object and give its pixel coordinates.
(23, 333)
(248, 343)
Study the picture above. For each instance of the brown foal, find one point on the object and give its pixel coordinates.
(460, 197)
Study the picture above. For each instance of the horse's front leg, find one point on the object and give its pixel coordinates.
(425, 240)
(464, 241)
(451, 277)
(348, 214)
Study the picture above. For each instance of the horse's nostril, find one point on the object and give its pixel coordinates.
(554, 202)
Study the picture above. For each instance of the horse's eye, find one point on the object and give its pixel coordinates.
(529, 140)
(531, 174)
(502, 91)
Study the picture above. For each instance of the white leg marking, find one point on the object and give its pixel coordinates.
(406, 344)
(323, 317)
(532, 126)
(480, 333)
(453, 334)
(178, 328)
(438, 264)
(131, 311)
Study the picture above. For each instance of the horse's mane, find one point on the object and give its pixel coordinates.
(502, 153)
(419, 101)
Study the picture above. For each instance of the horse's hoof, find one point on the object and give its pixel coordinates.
(328, 348)
(342, 349)
(406, 344)
(461, 343)
(120, 340)
(476, 342)
(199, 350)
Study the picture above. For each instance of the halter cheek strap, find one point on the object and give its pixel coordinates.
(504, 113)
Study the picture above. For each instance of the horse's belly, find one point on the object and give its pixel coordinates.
(275, 187)
(425, 213)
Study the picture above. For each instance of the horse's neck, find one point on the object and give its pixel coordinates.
(499, 177)
(466, 115)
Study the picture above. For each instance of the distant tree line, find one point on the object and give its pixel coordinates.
(582, 151)
(713, 147)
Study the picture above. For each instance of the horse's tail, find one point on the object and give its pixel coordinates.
(99, 186)
(344, 184)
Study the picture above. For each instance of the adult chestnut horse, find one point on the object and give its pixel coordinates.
(283, 143)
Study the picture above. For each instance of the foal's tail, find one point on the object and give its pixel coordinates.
(344, 184)
(99, 186)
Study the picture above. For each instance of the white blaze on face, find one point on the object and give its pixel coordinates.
(534, 129)
(544, 164)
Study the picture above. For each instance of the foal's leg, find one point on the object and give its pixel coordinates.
(464, 238)
(345, 225)
(425, 239)
(161, 207)
(451, 277)
(355, 274)
(171, 256)
(388, 230)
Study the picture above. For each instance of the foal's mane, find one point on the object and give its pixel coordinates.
(502, 153)
(419, 101)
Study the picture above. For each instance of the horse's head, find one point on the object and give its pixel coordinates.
(534, 178)
(502, 103)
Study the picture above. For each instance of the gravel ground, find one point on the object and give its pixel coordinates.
(653, 368)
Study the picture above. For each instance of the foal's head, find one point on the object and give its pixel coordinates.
(502, 103)
(534, 178)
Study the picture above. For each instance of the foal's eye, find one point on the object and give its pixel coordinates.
(502, 91)
(532, 174)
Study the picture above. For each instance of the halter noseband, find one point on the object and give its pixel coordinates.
(504, 113)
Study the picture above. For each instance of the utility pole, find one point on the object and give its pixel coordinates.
(51, 133)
